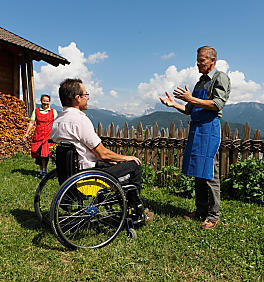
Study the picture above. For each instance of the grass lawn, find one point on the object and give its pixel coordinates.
(169, 248)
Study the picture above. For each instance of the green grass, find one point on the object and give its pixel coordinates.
(167, 249)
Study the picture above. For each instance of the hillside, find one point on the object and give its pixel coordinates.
(243, 112)
(164, 119)
(106, 118)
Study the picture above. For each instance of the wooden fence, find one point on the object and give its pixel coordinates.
(166, 146)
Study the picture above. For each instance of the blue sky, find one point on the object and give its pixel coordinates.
(129, 52)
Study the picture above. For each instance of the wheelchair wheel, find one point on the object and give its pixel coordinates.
(132, 233)
(44, 195)
(89, 210)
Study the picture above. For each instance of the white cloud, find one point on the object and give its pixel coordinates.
(148, 93)
(222, 65)
(244, 91)
(158, 84)
(168, 56)
(241, 89)
(50, 77)
(95, 58)
(113, 93)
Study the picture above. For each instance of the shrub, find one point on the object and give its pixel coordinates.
(149, 178)
(175, 182)
(168, 178)
(245, 181)
(53, 152)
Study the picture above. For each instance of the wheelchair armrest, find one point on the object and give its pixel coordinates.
(66, 144)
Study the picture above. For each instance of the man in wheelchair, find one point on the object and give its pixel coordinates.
(72, 125)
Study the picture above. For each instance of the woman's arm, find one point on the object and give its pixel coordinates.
(29, 128)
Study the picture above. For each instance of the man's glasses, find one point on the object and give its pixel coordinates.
(85, 94)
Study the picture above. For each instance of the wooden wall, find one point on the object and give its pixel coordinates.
(9, 73)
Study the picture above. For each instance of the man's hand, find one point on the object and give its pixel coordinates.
(183, 94)
(186, 96)
(104, 154)
(169, 102)
(132, 158)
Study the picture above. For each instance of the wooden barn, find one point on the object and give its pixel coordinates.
(16, 67)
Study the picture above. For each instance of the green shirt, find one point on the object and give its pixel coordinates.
(42, 111)
(218, 90)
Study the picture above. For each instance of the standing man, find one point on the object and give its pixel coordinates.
(74, 126)
(200, 159)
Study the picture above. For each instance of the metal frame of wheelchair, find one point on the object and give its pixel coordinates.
(89, 209)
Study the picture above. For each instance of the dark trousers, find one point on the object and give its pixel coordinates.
(125, 172)
(207, 195)
(39, 159)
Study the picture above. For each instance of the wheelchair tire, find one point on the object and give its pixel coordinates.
(89, 210)
(44, 195)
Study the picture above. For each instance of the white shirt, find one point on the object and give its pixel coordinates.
(74, 126)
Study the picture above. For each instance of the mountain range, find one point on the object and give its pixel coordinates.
(250, 112)
(236, 115)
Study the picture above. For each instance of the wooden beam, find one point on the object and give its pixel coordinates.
(31, 87)
(24, 81)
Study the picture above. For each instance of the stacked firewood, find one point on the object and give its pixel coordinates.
(13, 125)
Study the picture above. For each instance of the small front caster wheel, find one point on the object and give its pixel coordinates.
(132, 234)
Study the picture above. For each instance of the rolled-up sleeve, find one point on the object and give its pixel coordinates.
(188, 109)
(221, 90)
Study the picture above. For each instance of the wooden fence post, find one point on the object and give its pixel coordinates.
(162, 151)
(146, 148)
(171, 149)
(139, 137)
(224, 151)
(236, 146)
(112, 134)
(256, 144)
(132, 136)
(126, 137)
(246, 142)
(99, 129)
(162, 158)
(180, 149)
(118, 136)
(154, 159)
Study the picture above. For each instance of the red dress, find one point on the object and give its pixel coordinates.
(42, 134)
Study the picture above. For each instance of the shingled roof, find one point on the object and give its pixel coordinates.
(19, 44)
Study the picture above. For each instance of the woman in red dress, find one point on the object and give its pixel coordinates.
(43, 118)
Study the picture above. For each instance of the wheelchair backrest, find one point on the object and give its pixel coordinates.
(66, 161)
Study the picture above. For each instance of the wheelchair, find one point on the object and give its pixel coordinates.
(88, 208)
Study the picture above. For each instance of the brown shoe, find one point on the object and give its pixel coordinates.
(209, 224)
(148, 215)
(193, 215)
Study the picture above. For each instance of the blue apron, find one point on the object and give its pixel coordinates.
(203, 141)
